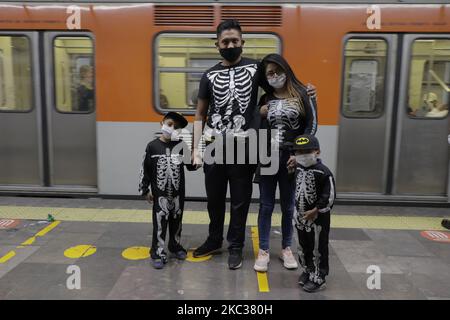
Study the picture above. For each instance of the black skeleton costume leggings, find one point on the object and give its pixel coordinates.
(166, 212)
(313, 246)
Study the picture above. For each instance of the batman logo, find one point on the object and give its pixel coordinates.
(302, 141)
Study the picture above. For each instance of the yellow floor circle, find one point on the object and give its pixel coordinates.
(80, 251)
(191, 258)
(136, 253)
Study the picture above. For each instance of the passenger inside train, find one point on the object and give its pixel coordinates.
(436, 109)
(85, 89)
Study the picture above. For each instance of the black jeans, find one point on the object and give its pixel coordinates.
(217, 177)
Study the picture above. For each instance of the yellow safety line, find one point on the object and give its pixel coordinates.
(201, 217)
(47, 229)
(30, 241)
(263, 282)
(7, 256)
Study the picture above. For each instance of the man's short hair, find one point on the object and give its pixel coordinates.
(228, 24)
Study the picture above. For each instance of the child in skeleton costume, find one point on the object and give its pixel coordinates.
(163, 172)
(314, 198)
(287, 111)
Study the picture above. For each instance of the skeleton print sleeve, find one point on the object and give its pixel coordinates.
(310, 104)
(145, 173)
(328, 195)
(203, 90)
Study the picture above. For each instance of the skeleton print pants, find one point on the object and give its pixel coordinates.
(166, 212)
(313, 247)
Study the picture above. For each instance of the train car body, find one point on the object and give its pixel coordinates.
(83, 87)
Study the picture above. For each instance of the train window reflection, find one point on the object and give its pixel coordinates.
(429, 81)
(182, 59)
(74, 74)
(15, 74)
(364, 74)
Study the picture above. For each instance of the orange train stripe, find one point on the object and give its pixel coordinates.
(311, 40)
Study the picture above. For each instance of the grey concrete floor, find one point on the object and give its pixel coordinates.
(412, 267)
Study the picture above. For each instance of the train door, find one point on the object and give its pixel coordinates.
(394, 118)
(421, 159)
(48, 120)
(20, 110)
(70, 100)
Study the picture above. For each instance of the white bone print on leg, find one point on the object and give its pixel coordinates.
(163, 213)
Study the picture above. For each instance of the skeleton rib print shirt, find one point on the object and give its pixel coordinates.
(285, 117)
(162, 170)
(232, 93)
(314, 187)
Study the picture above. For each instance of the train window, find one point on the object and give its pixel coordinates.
(15, 74)
(74, 74)
(181, 60)
(364, 74)
(429, 81)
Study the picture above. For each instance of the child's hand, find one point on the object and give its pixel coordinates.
(149, 198)
(311, 215)
(264, 110)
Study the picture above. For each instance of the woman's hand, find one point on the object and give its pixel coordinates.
(264, 110)
(311, 90)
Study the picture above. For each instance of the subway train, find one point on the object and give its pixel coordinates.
(84, 85)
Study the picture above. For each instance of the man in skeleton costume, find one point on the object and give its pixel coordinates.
(226, 101)
(314, 198)
(162, 171)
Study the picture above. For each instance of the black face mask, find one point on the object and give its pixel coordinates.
(231, 54)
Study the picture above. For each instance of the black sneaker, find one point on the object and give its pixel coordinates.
(311, 286)
(235, 259)
(206, 249)
(304, 277)
(179, 252)
(446, 223)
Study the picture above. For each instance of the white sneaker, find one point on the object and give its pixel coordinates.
(262, 261)
(288, 259)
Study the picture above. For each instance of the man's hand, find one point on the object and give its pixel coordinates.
(311, 215)
(291, 163)
(264, 110)
(149, 198)
(197, 159)
(311, 90)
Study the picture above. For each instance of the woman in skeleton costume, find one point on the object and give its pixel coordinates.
(314, 199)
(287, 111)
(163, 172)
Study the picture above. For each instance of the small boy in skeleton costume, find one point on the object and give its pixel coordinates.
(314, 198)
(163, 172)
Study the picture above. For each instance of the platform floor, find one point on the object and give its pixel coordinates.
(101, 238)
